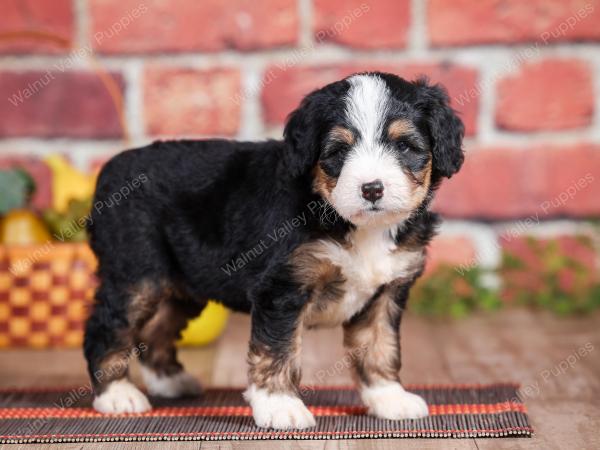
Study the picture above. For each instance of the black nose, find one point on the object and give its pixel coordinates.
(372, 191)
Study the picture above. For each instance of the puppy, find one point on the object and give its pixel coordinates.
(327, 227)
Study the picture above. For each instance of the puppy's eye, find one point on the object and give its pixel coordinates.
(403, 147)
(334, 148)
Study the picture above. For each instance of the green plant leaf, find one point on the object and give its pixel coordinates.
(15, 190)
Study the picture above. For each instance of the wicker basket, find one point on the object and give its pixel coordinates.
(45, 292)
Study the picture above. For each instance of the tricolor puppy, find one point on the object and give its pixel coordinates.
(327, 227)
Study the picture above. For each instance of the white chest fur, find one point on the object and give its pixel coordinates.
(370, 260)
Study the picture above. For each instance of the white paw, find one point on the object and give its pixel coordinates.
(278, 411)
(391, 401)
(121, 397)
(179, 385)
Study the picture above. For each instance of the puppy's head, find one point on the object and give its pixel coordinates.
(376, 145)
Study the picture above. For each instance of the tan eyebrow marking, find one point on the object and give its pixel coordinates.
(342, 134)
(400, 127)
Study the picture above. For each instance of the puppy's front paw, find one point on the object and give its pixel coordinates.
(121, 396)
(391, 401)
(278, 411)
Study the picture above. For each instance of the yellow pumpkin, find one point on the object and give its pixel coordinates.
(207, 327)
(23, 227)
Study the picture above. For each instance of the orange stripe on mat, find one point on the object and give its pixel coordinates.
(82, 413)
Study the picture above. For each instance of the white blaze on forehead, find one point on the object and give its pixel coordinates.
(366, 105)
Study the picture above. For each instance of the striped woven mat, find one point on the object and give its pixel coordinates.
(65, 415)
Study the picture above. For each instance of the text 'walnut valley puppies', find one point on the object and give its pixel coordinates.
(327, 227)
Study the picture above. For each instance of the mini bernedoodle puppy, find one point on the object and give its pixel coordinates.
(327, 227)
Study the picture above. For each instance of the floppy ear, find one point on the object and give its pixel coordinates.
(445, 128)
(301, 137)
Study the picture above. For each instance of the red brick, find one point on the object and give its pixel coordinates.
(58, 104)
(535, 184)
(192, 102)
(450, 250)
(39, 171)
(547, 95)
(284, 85)
(28, 26)
(467, 22)
(360, 24)
(128, 26)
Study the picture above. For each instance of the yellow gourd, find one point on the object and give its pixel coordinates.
(68, 183)
(22, 227)
(207, 327)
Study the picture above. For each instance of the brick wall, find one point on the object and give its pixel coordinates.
(89, 77)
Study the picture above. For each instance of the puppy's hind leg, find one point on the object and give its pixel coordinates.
(162, 373)
(108, 348)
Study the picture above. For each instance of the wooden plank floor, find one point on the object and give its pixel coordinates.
(561, 387)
